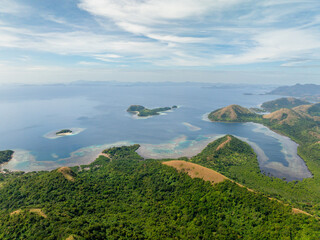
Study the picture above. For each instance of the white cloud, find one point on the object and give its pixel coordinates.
(277, 45)
(12, 7)
(176, 32)
(151, 11)
(154, 18)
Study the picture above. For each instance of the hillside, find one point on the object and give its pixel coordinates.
(283, 103)
(127, 198)
(283, 115)
(314, 110)
(232, 113)
(310, 111)
(298, 90)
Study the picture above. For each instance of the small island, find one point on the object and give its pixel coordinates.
(64, 132)
(141, 111)
(6, 156)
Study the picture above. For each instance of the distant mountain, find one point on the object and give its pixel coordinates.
(283, 103)
(298, 90)
(232, 113)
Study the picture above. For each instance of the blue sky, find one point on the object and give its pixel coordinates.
(274, 41)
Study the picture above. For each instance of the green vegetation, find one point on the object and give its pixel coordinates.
(145, 112)
(304, 130)
(5, 156)
(314, 110)
(127, 198)
(135, 108)
(63, 131)
(277, 104)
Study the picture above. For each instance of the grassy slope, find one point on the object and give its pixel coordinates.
(127, 198)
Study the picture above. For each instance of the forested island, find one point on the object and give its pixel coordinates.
(64, 132)
(5, 156)
(122, 196)
(145, 112)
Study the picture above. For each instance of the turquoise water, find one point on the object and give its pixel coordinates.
(30, 113)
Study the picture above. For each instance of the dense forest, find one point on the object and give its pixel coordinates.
(126, 197)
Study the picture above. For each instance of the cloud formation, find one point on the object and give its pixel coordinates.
(162, 34)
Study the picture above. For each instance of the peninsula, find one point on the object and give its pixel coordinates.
(141, 111)
(301, 124)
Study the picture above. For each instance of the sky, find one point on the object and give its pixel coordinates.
(226, 41)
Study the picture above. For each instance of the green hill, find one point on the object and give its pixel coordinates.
(283, 103)
(314, 110)
(284, 116)
(232, 113)
(123, 197)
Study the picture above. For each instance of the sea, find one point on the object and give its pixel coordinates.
(96, 113)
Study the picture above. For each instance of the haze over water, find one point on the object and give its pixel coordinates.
(98, 111)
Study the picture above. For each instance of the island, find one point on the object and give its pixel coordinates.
(64, 132)
(141, 111)
(6, 156)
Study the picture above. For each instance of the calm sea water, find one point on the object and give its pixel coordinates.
(31, 112)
